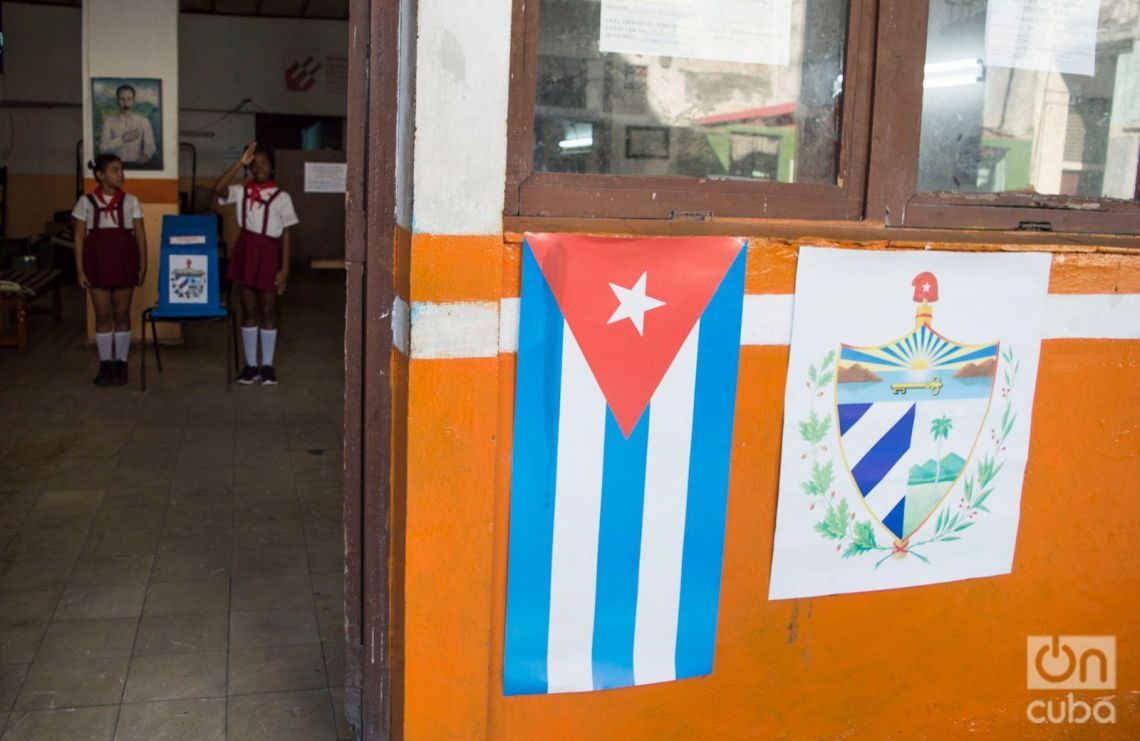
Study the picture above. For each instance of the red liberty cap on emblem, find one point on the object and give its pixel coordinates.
(631, 303)
(925, 288)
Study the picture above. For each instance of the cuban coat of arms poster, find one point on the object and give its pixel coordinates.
(907, 417)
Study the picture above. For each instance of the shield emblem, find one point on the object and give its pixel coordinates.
(909, 413)
(188, 284)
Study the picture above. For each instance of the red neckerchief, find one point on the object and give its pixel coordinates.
(254, 190)
(111, 206)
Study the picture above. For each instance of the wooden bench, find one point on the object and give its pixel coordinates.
(39, 282)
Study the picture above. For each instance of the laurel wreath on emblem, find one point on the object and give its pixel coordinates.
(855, 537)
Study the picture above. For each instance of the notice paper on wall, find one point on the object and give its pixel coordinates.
(325, 177)
(754, 31)
(907, 414)
(1043, 34)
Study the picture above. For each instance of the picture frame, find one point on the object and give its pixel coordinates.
(127, 120)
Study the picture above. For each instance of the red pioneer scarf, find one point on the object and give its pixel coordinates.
(255, 191)
(111, 206)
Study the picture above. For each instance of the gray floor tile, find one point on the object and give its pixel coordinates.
(173, 720)
(88, 639)
(183, 597)
(18, 644)
(190, 566)
(218, 538)
(272, 593)
(101, 603)
(28, 608)
(169, 634)
(116, 570)
(270, 562)
(281, 716)
(108, 543)
(39, 574)
(272, 628)
(269, 534)
(85, 499)
(176, 677)
(44, 544)
(276, 669)
(69, 684)
(11, 676)
(72, 724)
(130, 518)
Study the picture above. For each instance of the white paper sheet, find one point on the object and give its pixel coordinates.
(325, 177)
(832, 534)
(1043, 34)
(755, 31)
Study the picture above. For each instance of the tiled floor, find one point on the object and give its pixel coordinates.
(171, 560)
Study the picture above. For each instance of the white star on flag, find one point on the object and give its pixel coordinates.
(633, 303)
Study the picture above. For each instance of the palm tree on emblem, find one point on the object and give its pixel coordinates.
(940, 430)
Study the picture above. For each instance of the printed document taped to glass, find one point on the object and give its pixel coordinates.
(752, 31)
(1043, 34)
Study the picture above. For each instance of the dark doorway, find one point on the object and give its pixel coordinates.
(281, 131)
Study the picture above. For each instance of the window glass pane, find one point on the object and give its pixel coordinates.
(1057, 109)
(719, 89)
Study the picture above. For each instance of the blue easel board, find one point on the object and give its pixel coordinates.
(188, 280)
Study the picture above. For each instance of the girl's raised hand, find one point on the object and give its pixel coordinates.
(247, 155)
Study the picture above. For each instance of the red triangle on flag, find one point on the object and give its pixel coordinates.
(631, 303)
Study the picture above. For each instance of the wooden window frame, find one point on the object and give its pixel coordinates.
(532, 193)
(892, 192)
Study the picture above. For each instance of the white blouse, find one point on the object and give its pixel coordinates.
(84, 211)
(281, 213)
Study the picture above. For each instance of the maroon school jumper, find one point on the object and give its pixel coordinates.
(110, 253)
(257, 257)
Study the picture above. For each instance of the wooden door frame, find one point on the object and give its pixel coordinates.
(370, 224)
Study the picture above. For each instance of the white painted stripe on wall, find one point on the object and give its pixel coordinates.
(461, 116)
(767, 320)
(1103, 316)
(663, 518)
(401, 325)
(509, 325)
(455, 330)
(577, 519)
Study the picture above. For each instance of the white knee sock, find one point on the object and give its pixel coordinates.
(103, 343)
(268, 345)
(122, 345)
(249, 342)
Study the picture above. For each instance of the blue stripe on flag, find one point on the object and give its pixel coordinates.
(533, 470)
(894, 521)
(619, 552)
(718, 359)
(884, 454)
(849, 414)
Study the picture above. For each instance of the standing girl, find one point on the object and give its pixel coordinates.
(259, 261)
(109, 242)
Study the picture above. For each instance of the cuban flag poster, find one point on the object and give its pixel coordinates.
(906, 421)
(625, 395)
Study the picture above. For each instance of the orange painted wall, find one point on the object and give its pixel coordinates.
(937, 661)
(32, 199)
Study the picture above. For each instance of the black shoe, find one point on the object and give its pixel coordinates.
(119, 373)
(106, 370)
(268, 377)
(249, 375)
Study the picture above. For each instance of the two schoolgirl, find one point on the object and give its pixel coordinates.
(110, 241)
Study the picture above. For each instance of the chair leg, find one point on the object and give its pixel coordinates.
(154, 336)
(229, 373)
(142, 353)
(234, 337)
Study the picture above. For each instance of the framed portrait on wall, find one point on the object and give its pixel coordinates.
(127, 120)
